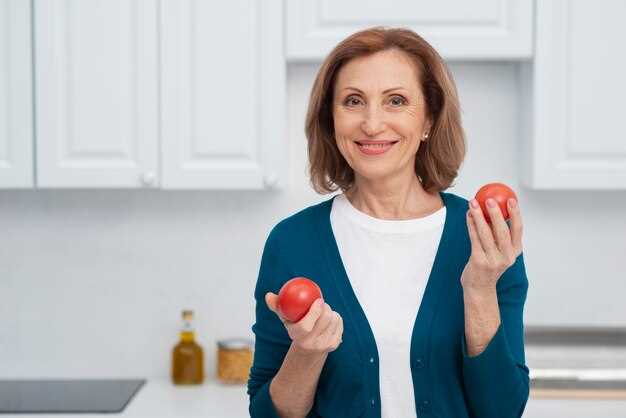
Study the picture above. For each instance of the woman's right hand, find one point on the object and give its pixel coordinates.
(319, 331)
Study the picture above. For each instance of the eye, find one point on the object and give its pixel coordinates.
(398, 100)
(350, 100)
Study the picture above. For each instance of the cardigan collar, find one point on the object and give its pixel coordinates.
(444, 266)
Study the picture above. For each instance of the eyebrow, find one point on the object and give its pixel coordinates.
(386, 91)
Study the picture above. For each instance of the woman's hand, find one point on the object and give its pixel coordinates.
(494, 248)
(319, 331)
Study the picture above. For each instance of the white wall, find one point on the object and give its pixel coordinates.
(92, 282)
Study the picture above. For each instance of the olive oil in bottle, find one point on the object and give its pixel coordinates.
(187, 355)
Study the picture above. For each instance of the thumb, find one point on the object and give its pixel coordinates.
(271, 300)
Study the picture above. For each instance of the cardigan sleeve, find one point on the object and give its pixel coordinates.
(271, 339)
(496, 381)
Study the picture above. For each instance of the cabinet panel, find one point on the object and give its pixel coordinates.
(16, 119)
(484, 29)
(96, 93)
(573, 97)
(223, 90)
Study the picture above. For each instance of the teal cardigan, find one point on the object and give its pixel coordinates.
(447, 383)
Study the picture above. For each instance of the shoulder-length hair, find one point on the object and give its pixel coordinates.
(438, 158)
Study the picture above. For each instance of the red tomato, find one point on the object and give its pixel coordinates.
(296, 297)
(500, 192)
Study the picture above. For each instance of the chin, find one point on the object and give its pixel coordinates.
(376, 173)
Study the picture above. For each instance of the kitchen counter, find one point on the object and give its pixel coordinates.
(577, 362)
(159, 398)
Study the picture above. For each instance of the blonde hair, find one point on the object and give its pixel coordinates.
(438, 159)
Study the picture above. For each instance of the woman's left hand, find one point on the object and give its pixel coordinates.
(494, 248)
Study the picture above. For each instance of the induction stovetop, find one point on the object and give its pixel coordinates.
(69, 396)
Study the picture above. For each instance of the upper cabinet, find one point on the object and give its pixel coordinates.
(16, 115)
(190, 94)
(172, 94)
(458, 29)
(223, 80)
(573, 94)
(96, 94)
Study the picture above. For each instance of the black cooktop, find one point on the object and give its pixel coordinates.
(69, 396)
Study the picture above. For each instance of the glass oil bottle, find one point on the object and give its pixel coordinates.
(187, 355)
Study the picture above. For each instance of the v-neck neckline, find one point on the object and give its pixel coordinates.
(431, 295)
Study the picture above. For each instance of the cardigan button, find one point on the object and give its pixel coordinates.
(372, 402)
(371, 359)
(424, 406)
(419, 363)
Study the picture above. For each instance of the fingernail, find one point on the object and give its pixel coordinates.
(512, 203)
(491, 203)
(474, 203)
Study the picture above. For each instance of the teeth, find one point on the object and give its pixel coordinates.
(375, 145)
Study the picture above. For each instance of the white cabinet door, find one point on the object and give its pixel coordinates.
(223, 94)
(458, 29)
(96, 93)
(573, 97)
(16, 121)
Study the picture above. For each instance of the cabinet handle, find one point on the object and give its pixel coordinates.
(270, 180)
(148, 178)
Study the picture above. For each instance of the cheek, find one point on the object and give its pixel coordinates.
(345, 123)
(344, 145)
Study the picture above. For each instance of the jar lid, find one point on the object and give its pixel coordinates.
(235, 343)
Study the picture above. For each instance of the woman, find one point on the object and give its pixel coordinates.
(422, 298)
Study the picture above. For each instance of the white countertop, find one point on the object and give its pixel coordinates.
(160, 398)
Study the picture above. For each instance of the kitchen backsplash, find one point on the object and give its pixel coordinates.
(92, 282)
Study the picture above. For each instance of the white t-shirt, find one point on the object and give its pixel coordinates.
(388, 263)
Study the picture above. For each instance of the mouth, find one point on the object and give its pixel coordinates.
(375, 147)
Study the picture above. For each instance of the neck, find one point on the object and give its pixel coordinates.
(394, 199)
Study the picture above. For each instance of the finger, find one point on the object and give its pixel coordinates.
(333, 337)
(308, 321)
(332, 327)
(484, 230)
(499, 227)
(340, 331)
(473, 234)
(271, 300)
(516, 226)
(324, 321)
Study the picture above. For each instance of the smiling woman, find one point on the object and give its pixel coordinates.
(422, 303)
(381, 89)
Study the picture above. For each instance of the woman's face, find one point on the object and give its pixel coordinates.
(378, 98)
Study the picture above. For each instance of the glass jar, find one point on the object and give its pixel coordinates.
(234, 360)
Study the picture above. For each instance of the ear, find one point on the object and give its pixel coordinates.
(428, 126)
(427, 129)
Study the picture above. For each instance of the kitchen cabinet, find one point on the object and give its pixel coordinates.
(482, 29)
(572, 97)
(171, 94)
(223, 95)
(16, 116)
(96, 94)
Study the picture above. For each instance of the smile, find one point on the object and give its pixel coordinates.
(375, 149)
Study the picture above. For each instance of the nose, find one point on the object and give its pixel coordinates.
(372, 122)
